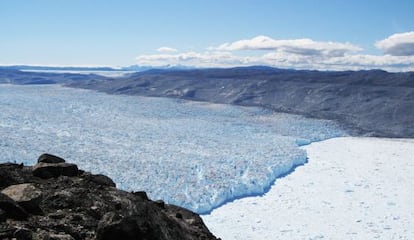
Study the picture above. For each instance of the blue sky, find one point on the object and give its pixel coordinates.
(120, 33)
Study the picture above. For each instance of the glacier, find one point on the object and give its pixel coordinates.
(196, 155)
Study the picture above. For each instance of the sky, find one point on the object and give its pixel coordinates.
(302, 34)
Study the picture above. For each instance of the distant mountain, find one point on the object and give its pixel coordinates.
(137, 68)
(134, 68)
(47, 68)
(14, 76)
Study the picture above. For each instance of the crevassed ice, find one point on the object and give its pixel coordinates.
(195, 155)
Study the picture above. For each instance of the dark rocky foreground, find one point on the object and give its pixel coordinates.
(55, 200)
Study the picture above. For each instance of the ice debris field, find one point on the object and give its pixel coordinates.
(192, 154)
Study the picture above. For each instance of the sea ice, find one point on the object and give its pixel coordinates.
(192, 154)
(351, 188)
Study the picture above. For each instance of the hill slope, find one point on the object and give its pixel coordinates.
(375, 103)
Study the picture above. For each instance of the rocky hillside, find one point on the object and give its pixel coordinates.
(57, 201)
(374, 103)
(14, 76)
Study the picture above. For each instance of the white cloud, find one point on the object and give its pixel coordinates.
(347, 62)
(281, 60)
(294, 46)
(295, 53)
(166, 50)
(400, 44)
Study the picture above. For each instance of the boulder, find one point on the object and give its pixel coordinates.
(100, 179)
(10, 174)
(52, 170)
(49, 158)
(141, 194)
(26, 195)
(11, 208)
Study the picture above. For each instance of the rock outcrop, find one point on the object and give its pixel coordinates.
(56, 200)
(25, 194)
(11, 209)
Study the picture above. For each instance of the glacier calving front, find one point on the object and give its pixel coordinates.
(192, 154)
